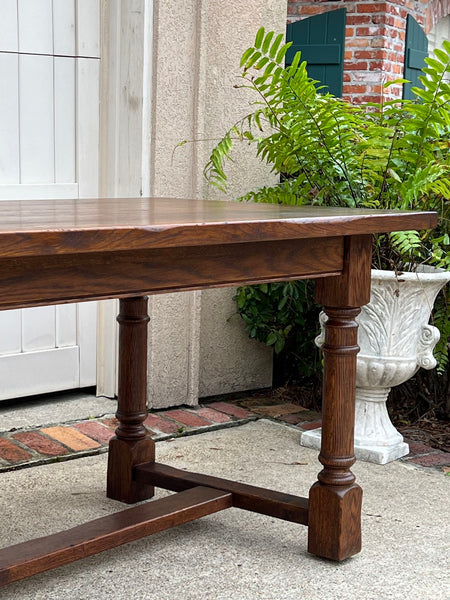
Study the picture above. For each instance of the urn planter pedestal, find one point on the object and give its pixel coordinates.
(395, 340)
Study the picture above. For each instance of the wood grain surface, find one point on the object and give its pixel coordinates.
(43, 227)
(248, 497)
(42, 554)
(42, 279)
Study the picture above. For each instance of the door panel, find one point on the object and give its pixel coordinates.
(9, 119)
(8, 26)
(37, 156)
(64, 19)
(35, 26)
(66, 325)
(38, 329)
(65, 119)
(10, 332)
(49, 120)
(31, 373)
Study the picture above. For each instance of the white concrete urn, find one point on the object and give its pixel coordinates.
(395, 340)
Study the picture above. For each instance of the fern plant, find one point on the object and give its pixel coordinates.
(392, 154)
(329, 152)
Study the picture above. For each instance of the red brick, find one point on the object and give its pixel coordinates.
(311, 415)
(393, 57)
(95, 430)
(418, 448)
(432, 460)
(311, 425)
(370, 31)
(213, 415)
(379, 65)
(357, 42)
(366, 99)
(372, 7)
(358, 19)
(111, 423)
(355, 89)
(71, 438)
(385, 19)
(355, 66)
(293, 419)
(231, 409)
(276, 410)
(160, 424)
(371, 54)
(12, 453)
(187, 418)
(38, 442)
(379, 42)
(311, 10)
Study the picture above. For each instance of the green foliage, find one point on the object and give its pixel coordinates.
(283, 316)
(391, 155)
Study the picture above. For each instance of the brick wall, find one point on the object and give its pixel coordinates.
(375, 39)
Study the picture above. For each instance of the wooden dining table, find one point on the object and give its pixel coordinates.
(59, 251)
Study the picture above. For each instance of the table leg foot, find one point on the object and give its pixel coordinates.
(122, 458)
(334, 523)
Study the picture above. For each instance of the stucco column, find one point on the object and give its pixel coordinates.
(197, 48)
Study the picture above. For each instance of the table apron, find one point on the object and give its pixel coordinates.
(60, 278)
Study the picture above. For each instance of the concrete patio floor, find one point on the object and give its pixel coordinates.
(236, 555)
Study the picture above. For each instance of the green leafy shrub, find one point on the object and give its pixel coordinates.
(284, 316)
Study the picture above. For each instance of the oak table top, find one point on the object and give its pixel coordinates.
(54, 251)
(46, 227)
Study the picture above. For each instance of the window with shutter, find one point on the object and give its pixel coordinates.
(321, 40)
(416, 50)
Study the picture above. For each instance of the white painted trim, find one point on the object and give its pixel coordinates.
(125, 136)
(107, 348)
(51, 191)
(86, 324)
(147, 98)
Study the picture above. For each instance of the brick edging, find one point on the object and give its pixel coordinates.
(20, 449)
(55, 443)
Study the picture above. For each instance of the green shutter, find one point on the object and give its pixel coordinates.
(416, 50)
(321, 40)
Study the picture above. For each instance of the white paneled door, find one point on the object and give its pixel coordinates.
(49, 124)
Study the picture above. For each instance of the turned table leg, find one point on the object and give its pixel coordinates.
(334, 521)
(131, 445)
(334, 524)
